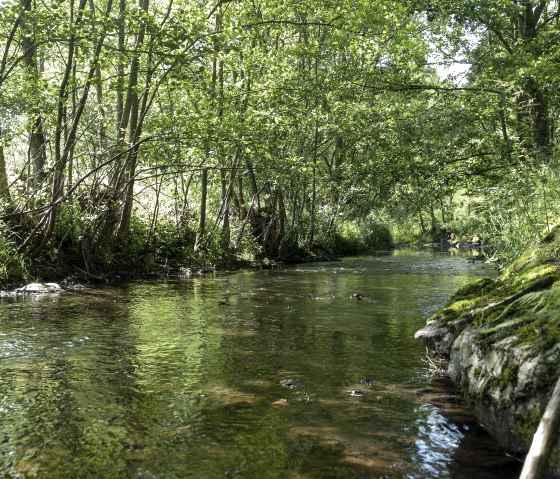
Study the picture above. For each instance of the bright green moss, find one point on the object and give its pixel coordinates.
(474, 290)
(509, 375)
(535, 273)
(500, 308)
(541, 333)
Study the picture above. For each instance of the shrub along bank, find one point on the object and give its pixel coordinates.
(169, 251)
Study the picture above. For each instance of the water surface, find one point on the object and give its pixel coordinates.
(186, 378)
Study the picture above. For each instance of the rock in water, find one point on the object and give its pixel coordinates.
(367, 381)
(291, 383)
(357, 393)
(38, 288)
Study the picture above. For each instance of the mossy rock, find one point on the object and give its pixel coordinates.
(515, 318)
(473, 290)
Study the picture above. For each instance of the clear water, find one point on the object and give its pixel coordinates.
(183, 378)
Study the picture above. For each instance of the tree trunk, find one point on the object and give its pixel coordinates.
(544, 439)
(281, 221)
(153, 225)
(422, 226)
(4, 185)
(253, 182)
(120, 67)
(536, 96)
(37, 144)
(225, 235)
(37, 154)
(63, 152)
(131, 116)
(100, 154)
(200, 235)
(313, 212)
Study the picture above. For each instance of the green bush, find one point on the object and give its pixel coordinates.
(13, 266)
(354, 237)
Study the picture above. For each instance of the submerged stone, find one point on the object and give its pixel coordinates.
(367, 381)
(291, 383)
(357, 392)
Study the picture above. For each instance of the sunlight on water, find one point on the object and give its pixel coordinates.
(257, 374)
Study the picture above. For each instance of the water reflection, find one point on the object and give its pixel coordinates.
(449, 438)
(186, 378)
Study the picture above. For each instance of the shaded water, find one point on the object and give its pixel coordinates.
(184, 378)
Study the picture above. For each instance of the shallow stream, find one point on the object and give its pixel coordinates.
(254, 374)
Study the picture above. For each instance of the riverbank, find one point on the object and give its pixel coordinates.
(501, 338)
(146, 265)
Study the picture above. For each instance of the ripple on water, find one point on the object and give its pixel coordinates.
(160, 379)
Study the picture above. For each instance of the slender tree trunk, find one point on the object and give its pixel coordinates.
(4, 69)
(70, 175)
(281, 220)
(200, 235)
(253, 182)
(4, 185)
(100, 154)
(241, 197)
(122, 112)
(225, 235)
(185, 187)
(153, 224)
(313, 205)
(37, 144)
(422, 226)
(433, 219)
(63, 152)
(120, 67)
(132, 112)
(37, 152)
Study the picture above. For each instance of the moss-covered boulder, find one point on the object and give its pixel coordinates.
(502, 339)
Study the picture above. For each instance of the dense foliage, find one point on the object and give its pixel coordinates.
(138, 131)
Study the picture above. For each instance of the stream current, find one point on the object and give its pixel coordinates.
(254, 374)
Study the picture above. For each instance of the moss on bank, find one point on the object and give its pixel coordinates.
(502, 338)
(521, 301)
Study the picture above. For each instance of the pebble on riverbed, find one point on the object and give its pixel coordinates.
(367, 381)
(291, 383)
(357, 393)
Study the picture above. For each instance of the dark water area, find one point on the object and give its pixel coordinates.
(255, 374)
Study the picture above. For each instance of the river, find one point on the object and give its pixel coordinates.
(253, 374)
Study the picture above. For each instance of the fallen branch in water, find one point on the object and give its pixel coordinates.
(433, 367)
